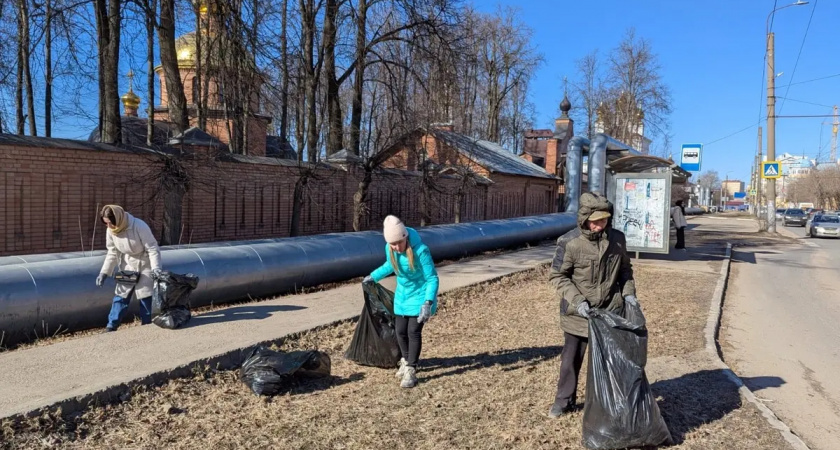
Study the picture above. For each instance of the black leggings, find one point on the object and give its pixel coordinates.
(410, 338)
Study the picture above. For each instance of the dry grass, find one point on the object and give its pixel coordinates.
(488, 375)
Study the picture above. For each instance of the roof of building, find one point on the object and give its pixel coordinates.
(277, 147)
(70, 144)
(134, 132)
(197, 136)
(648, 163)
(491, 155)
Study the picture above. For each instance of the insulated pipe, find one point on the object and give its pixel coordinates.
(597, 163)
(574, 172)
(39, 297)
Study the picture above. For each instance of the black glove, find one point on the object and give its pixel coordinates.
(100, 280)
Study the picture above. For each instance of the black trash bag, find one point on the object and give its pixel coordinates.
(620, 409)
(375, 340)
(171, 298)
(267, 372)
(173, 317)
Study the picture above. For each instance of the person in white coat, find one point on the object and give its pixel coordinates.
(132, 248)
(678, 214)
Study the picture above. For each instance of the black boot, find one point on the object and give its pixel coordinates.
(558, 409)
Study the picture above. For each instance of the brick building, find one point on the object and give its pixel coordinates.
(190, 188)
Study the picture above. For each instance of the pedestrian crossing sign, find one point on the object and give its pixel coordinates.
(771, 169)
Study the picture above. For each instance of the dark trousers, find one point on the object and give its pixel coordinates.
(120, 305)
(574, 349)
(409, 338)
(680, 237)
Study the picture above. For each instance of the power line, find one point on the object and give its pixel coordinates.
(732, 134)
(807, 103)
(804, 116)
(812, 80)
(800, 53)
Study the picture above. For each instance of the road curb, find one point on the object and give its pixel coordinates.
(712, 330)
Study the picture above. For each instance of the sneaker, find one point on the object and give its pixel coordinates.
(558, 409)
(409, 379)
(110, 329)
(401, 370)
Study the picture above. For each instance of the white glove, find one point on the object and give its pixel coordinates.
(583, 309)
(631, 300)
(425, 312)
(368, 280)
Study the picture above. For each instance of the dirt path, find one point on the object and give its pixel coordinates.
(488, 375)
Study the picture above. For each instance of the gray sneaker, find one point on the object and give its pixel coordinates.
(401, 370)
(409, 379)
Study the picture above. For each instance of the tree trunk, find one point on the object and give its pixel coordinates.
(333, 102)
(359, 81)
(297, 203)
(360, 208)
(300, 120)
(308, 34)
(151, 7)
(21, 119)
(176, 100)
(27, 71)
(48, 76)
(284, 67)
(108, 31)
(198, 101)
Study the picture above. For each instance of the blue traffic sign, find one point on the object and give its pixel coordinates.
(771, 169)
(690, 157)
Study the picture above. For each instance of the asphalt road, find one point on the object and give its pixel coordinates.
(782, 333)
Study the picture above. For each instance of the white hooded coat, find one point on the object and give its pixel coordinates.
(134, 249)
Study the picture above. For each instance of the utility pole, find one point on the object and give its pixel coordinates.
(771, 131)
(758, 179)
(834, 126)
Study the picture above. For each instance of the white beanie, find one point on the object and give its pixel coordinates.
(394, 230)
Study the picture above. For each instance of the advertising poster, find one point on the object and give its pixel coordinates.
(642, 212)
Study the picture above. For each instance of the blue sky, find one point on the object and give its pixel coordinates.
(712, 58)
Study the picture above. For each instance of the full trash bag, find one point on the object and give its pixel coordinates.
(171, 298)
(375, 340)
(620, 409)
(267, 372)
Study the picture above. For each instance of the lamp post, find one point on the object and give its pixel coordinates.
(771, 117)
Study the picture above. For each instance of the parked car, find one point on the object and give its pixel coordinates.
(825, 226)
(795, 216)
(780, 213)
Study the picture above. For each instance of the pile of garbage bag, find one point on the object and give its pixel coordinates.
(620, 409)
(171, 298)
(375, 340)
(268, 372)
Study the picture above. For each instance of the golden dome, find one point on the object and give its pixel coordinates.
(185, 48)
(130, 99)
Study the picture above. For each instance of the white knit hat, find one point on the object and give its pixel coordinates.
(394, 230)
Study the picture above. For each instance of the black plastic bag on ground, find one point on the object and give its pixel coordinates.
(375, 341)
(173, 317)
(267, 372)
(171, 298)
(620, 409)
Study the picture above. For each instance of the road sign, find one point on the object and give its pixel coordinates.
(740, 195)
(691, 157)
(771, 169)
(752, 192)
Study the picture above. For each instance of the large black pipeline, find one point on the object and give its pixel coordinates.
(36, 298)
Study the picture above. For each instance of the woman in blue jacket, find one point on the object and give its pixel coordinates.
(415, 299)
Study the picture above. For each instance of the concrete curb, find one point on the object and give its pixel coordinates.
(712, 330)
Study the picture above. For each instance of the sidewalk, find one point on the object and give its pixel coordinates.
(73, 373)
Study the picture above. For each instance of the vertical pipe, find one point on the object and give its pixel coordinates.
(597, 162)
(574, 169)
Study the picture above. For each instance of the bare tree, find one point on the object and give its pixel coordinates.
(709, 179)
(176, 100)
(108, 33)
(589, 90)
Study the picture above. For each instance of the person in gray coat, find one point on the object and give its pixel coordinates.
(131, 248)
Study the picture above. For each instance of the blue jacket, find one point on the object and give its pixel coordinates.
(413, 287)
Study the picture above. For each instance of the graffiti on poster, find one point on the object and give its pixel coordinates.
(640, 205)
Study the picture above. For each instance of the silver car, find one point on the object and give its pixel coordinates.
(825, 226)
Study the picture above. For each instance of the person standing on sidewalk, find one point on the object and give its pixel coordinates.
(678, 214)
(415, 299)
(131, 246)
(592, 270)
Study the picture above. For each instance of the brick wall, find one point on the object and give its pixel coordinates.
(49, 198)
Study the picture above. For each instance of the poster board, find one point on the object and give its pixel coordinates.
(642, 210)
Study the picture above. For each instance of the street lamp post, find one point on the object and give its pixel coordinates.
(771, 117)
